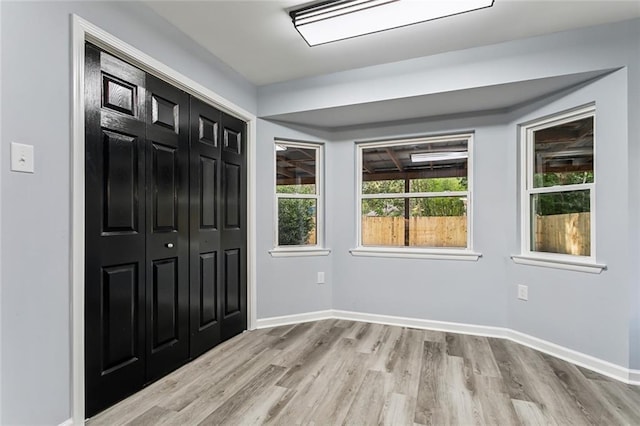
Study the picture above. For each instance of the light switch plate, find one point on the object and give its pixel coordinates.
(523, 292)
(21, 157)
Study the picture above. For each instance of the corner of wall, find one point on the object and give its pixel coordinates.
(287, 285)
(1, 286)
(633, 79)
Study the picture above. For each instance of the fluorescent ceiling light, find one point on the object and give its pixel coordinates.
(340, 19)
(438, 156)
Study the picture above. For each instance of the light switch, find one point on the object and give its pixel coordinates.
(21, 157)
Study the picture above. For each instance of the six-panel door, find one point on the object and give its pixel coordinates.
(115, 230)
(233, 246)
(205, 227)
(167, 252)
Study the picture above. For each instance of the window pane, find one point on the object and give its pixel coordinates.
(383, 222)
(383, 187)
(296, 221)
(563, 154)
(296, 169)
(438, 222)
(385, 169)
(439, 184)
(561, 223)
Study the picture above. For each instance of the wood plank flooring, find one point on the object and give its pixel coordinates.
(344, 372)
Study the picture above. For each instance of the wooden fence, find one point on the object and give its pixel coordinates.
(445, 231)
(563, 233)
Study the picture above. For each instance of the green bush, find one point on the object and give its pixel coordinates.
(295, 221)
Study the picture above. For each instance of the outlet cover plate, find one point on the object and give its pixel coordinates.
(21, 157)
(523, 292)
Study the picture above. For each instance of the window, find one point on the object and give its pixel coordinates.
(558, 190)
(415, 195)
(298, 196)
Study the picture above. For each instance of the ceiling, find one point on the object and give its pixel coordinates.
(496, 98)
(257, 39)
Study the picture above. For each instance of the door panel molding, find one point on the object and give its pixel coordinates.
(208, 293)
(164, 163)
(84, 31)
(120, 176)
(119, 282)
(231, 282)
(208, 193)
(164, 307)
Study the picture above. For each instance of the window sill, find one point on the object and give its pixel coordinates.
(579, 266)
(408, 253)
(298, 252)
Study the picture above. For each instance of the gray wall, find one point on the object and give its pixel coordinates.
(585, 312)
(286, 285)
(634, 195)
(36, 100)
(1, 158)
(593, 314)
(444, 290)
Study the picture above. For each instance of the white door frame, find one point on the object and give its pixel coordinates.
(83, 31)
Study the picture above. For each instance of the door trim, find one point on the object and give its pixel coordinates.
(81, 32)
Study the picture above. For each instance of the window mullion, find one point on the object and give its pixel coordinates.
(295, 195)
(437, 194)
(561, 188)
(386, 195)
(416, 195)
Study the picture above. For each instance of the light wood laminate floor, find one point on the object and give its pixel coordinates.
(346, 372)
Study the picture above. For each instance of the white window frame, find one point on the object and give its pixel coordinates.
(554, 260)
(318, 249)
(453, 253)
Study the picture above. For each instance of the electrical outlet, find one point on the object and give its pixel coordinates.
(523, 292)
(320, 279)
(21, 158)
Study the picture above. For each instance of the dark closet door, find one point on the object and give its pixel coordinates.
(233, 245)
(205, 227)
(165, 263)
(167, 201)
(114, 230)
(218, 227)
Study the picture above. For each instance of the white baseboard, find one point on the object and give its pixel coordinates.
(451, 327)
(603, 367)
(634, 377)
(598, 365)
(294, 319)
(68, 422)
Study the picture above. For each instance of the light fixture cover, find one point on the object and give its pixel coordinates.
(341, 19)
(423, 157)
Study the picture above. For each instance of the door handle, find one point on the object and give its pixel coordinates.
(169, 245)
